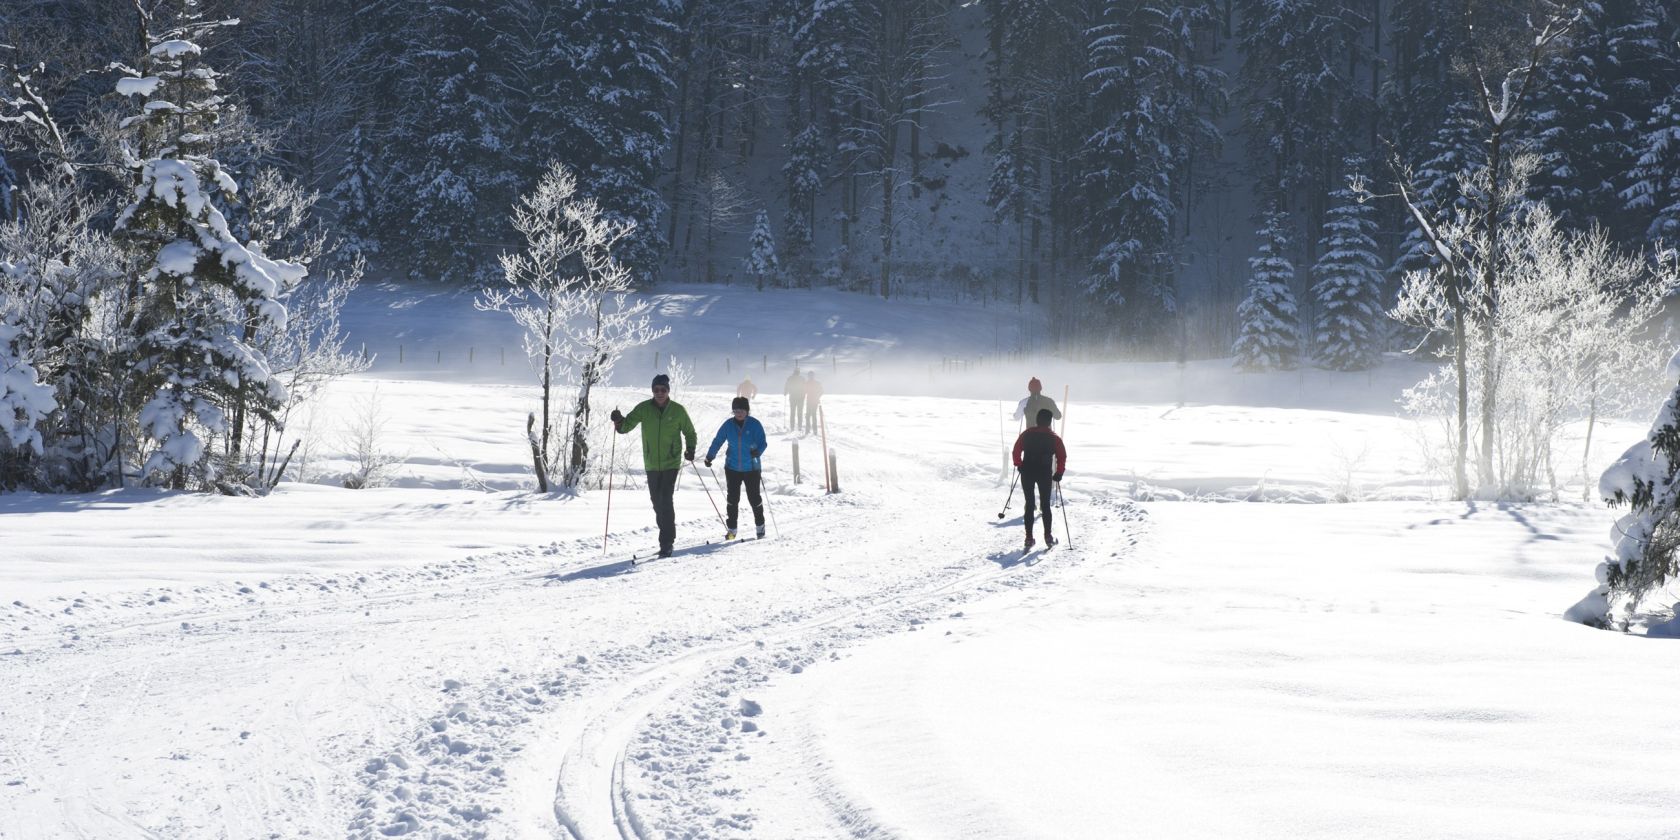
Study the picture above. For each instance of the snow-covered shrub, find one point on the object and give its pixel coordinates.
(364, 440)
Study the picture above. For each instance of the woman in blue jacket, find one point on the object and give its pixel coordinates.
(745, 436)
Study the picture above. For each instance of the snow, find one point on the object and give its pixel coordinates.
(141, 86)
(437, 659)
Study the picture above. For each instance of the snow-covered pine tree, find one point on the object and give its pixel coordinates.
(1645, 550)
(1149, 95)
(569, 293)
(1347, 284)
(761, 260)
(1268, 321)
(1009, 194)
(352, 195)
(1304, 106)
(804, 173)
(1592, 103)
(613, 98)
(25, 403)
(451, 136)
(1654, 182)
(1451, 153)
(203, 294)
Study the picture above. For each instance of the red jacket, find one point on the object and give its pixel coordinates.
(1034, 448)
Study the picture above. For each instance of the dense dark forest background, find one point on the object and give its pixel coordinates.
(1108, 163)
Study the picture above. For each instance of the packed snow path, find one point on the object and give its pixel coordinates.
(538, 692)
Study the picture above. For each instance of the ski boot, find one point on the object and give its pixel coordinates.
(728, 534)
(761, 532)
(1049, 542)
(1029, 545)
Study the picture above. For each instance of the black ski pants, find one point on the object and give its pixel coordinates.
(662, 485)
(733, 480)
(1041, 483)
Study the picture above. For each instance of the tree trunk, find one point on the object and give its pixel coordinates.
(1490, 314)
(1461, 478)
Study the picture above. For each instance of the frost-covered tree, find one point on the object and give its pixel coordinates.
(569, 294)
(1346, 282)
(202, 292)
(761, 258)
(719, 203)
(1268, 322)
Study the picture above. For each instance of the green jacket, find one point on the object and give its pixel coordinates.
(667, 435)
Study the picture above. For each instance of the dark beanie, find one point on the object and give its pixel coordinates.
(740, 403)
(1044, 416)
(662, 381)
(1033, 385)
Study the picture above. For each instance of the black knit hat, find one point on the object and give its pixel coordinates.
(662, 381)
(1044, 417)
(740, 404)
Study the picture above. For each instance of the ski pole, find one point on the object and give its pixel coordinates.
(1011, 496)
(1066, 528)
(702, 478)
(612, 463)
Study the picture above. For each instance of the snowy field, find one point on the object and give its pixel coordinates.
(1268, 623)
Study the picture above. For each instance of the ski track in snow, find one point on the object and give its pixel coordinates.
(609, 728)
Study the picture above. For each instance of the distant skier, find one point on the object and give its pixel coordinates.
(665, 431)
(747, 389)
(1034, 402)
(1035, 450)
(794, 388)
(745, 436)
(813, 399)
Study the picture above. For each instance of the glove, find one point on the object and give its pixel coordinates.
(689, 455)
(753, 452)
(708, 463)
(1056, 477)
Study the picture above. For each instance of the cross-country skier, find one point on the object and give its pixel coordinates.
(1035, 401)
(747, 389)
(745, 436)
(794, 388)
(668, 439)
(813, 398)
(1035, 449)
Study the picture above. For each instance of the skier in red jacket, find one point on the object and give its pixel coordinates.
(1035, 450)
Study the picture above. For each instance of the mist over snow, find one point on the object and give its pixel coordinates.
(454, 654)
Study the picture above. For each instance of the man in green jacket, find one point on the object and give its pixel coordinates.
(668, 439)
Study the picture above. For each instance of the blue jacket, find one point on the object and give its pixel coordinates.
(741, 437)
